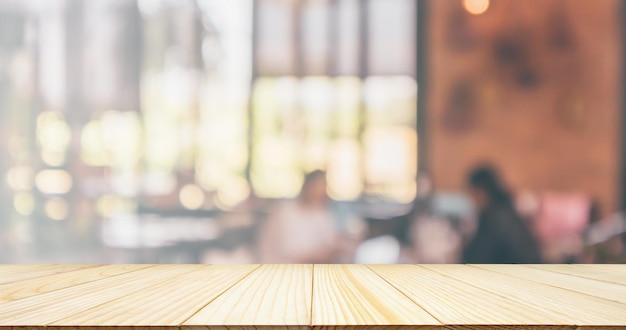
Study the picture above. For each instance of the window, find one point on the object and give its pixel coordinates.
(334, 88)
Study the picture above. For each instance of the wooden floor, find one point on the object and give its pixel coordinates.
(313, 296)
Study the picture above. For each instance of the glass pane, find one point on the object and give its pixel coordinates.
(344, 174)
(391, 37)
(315, 39)
(276, 169)
(318, 105)
(390, 139)
(390, 100)
(391, 162)
(348, 104)
(276, 37)
(346, 49)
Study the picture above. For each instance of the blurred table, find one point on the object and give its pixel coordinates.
(312, 296)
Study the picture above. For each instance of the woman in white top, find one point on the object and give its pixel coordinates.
(301, 231)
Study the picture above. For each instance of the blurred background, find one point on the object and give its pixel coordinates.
(321, 131)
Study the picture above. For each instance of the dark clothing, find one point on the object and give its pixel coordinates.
(502, 237)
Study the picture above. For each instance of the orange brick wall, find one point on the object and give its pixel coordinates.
(538, 93)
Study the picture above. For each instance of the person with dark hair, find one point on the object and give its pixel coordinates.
(302, 230)
(502, 236)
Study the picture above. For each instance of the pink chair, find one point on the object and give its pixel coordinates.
(560, 222)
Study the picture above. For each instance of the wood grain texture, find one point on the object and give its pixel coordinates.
(48, 307)
(14, 273)
(579, 309)
(245, 327)
(600, 289)
(39, 285)
(447, 299)
(273, 295)
(346, 295)
(620, 268)
(596, 273)
(195, 297)
(167, 303)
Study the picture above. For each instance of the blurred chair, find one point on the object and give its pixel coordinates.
(605, 229)
(605, 241)
(379, 250)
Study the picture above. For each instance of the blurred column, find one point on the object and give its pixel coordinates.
(114, 52)
(82, 224)
(12, 22)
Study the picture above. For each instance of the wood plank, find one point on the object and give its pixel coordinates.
(620, 268)
(48, 307)
(595, 273)
(39, 285)
(606, 290)
(380, 327)
(167, 303)
(582, 310)
(524, 327)
(273, 295)
(447, 299)
(194, 297)
(14, 273)
(353, 295)
(9, 268)
(248, 327)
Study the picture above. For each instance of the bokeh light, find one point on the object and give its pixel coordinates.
(24, 203)
(53, 181)
(57, 208)
(476, 7)
(191, 197)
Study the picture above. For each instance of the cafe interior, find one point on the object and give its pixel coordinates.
(311, 131)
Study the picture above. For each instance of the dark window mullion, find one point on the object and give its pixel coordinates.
(363, 59)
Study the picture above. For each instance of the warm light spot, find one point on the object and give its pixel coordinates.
(345, 180)
(234, 191)
(121, 134)
(53, 181)
(391, 161)
(162, 144)
(53, 133)
(348, 92)
(276, 174)
(111, 205)
(107, 205)
(20, 178)
(93, 151)
(191, 197)
(476, 7)
(24, 203)
(57, 209)
(390, 154)
(53, 158)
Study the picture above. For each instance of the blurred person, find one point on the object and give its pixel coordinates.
(301, 231)
(502, 236)
(434, 238)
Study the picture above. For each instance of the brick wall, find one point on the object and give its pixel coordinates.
(533, 87)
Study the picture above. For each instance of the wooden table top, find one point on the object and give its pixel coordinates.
(313, 296)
